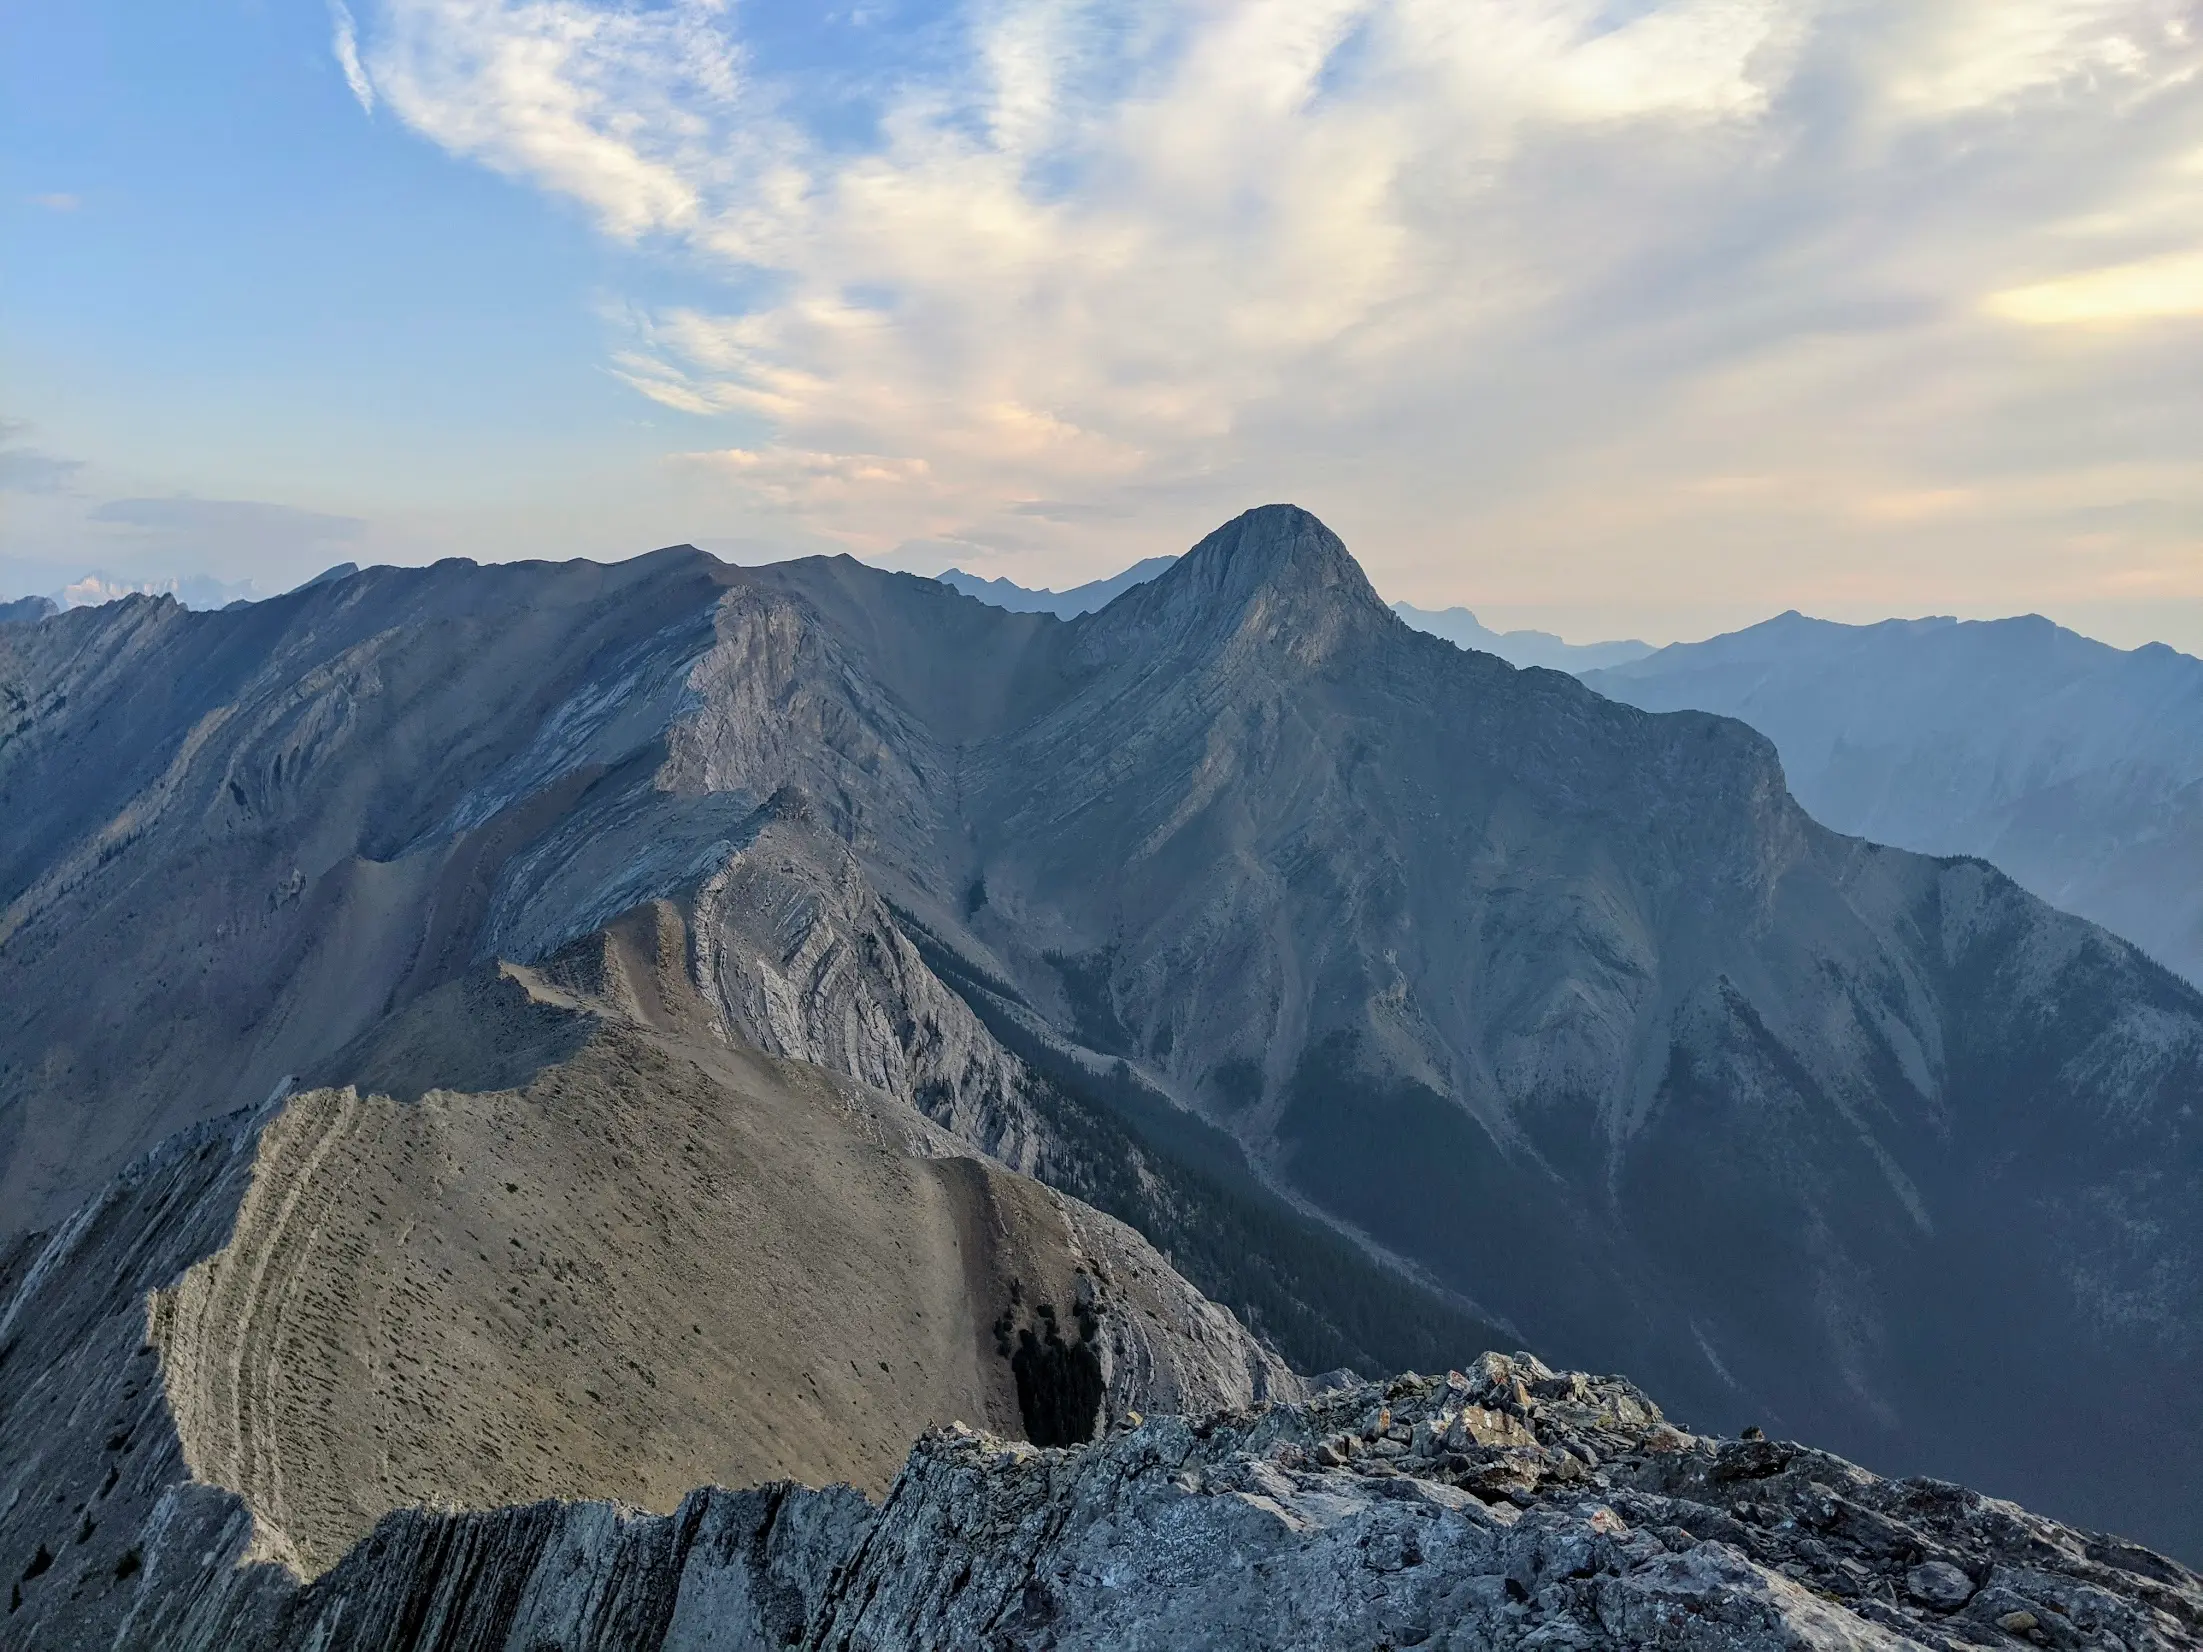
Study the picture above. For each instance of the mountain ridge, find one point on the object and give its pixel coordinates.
(1567, 1003)
(547, 1232)
(1503, 1506)
(1066, 604)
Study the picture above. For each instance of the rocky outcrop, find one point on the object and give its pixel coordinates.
(804, 959)
(1508, 1506)
(27, 610)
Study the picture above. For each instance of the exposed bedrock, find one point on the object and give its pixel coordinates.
(1504, 1507)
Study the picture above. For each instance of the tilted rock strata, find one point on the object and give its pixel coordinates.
(1505, 1507)
(2074, 765)
(806, 961)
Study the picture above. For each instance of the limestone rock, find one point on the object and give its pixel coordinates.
(1228, 1531)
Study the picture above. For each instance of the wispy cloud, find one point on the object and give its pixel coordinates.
(2153, 290)
(57, 202)
(1523, 269)
(28, 470)
(344, 41)
(236, 525)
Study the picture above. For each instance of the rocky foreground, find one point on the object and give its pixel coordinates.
(1506, 1507)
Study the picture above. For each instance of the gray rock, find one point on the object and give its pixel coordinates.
(2072, 764)
(27, 610)
(1939, 1584)
(1225, 1532)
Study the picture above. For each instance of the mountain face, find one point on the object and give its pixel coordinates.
(1236, 906)
(1079, 599)
(2074, 766)
(1524, 648)
(1461, 1513)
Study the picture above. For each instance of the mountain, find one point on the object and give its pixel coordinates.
(27, 610)
(1523, 648)
(192, 590)
(1456, 625)
(1465, 1512)
(239, 841)
(2075, 766)
(1300, 940)
(1079, 599)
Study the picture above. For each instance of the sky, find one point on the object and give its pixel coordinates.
(1613, 317)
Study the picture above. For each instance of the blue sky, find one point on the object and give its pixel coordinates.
(1648, 318)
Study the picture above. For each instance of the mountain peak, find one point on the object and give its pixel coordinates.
(1281, 549)
(1276, 564)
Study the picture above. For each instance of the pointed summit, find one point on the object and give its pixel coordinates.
(1276, 567)
(1280, 549)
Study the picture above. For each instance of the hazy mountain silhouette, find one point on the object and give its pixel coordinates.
(2075, 766)
(1462, 628)
(1079, 599)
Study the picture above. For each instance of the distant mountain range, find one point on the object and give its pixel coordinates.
(2074, 766)
(1462, 628)
(192, 590)
(1456, 625)
(24, 610)
(1079, 599)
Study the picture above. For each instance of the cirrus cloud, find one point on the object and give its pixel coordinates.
(1531, 270)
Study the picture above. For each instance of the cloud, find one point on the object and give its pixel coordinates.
(344, 41)
(624, 109)
(1534, 275)
(57, 202)
(2154, 289)
(27, 470)
(233, 525)
(192, 590)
